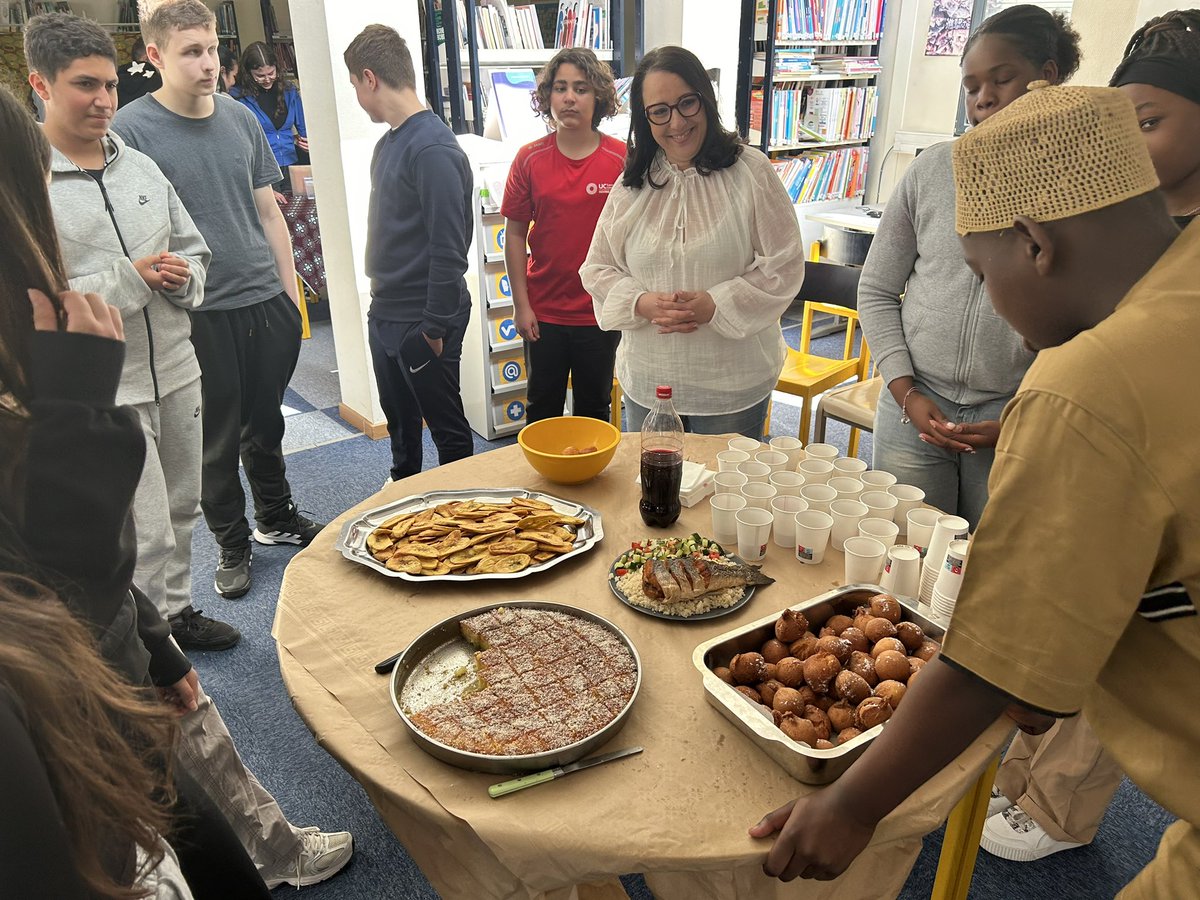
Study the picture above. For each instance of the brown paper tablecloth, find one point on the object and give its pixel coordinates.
(678, 812)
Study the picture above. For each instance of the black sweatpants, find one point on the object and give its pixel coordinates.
(247, 357)
(584, 352)
(414, 385)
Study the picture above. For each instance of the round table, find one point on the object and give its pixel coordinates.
(677, 812)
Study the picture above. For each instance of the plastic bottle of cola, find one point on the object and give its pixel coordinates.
(662, 462)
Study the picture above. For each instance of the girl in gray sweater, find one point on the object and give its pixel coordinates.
(949, 361)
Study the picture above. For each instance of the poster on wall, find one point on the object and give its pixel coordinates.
(949, 26)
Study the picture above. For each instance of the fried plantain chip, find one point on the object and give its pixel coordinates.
(511, 545)
(409, 564)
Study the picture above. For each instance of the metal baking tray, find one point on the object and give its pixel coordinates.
(352, 542)
(438, 643)
(801, 762)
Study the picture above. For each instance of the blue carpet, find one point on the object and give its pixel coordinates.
(313, 789)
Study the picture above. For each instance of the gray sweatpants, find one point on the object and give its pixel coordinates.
(205, 749)
(167, 502)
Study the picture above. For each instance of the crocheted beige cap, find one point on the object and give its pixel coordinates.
(1056, 152)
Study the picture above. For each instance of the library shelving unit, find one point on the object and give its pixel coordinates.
(492, 372)
(499, 34)
(282, 44)
(807, 93)
(227, 27)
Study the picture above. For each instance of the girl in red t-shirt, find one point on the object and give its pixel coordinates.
(556, 189)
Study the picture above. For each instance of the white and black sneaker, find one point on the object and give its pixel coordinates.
(233, 572)
(295, 529)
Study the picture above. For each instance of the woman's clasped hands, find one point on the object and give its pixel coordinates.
(677, 311)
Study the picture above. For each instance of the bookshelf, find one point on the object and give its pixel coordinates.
(807, 92)
(278, 39)
(497, 34)
(227, 26)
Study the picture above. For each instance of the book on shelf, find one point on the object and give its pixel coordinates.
(800, 114)
(583, 23)
(825, 20)
(226, 17)
(500, 26)
(848, 65)
(285, 55)
(824, 174)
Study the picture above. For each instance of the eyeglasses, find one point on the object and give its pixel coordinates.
(687, 106)
(261, 75)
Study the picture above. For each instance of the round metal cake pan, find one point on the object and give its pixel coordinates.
(448, 630)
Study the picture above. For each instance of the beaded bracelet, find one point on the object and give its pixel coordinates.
(904, 419)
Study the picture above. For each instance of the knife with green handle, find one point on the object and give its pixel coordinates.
(519, 784)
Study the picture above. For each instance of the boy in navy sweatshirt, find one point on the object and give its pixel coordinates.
(418, 232)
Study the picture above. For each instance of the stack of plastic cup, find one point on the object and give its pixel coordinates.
(792, 447)
(785, 508)
(949, 579)
(902, 571)
(947, 529)
(908, 498)
(846, 516)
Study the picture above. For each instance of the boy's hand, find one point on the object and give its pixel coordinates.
(435, 344)
(527, 324)
(816, 840)
(81, 313)
(182, 694)
(162, 271)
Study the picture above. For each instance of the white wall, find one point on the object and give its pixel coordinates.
(342, 138)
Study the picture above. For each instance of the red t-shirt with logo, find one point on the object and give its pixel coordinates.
(563, 199)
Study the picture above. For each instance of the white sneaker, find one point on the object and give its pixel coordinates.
(322, 855)
(1013, 835)
(997, 802)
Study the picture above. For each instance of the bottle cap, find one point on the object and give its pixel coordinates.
(663, 392)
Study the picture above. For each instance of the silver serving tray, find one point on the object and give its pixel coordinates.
(352, 542)
(434, 640)
(798, 760)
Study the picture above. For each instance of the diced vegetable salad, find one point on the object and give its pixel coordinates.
(666, 548)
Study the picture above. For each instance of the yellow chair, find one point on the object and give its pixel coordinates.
(301, 292)
(805, 375)
(614, 414)
(852, 404)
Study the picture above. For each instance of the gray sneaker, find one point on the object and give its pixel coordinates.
(322, 855)
(233, 572)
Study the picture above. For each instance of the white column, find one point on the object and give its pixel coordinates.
(341, 139)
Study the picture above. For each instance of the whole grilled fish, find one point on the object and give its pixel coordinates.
(680, 580)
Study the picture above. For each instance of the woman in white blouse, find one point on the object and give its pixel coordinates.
(695, 257)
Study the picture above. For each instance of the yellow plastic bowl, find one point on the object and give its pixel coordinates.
(543, 443)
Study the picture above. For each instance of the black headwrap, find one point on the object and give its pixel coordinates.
(1179, 76)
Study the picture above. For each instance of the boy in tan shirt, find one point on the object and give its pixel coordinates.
(1081, 596)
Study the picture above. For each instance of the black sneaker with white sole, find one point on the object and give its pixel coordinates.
(233, 571)
(295, 529)
(193, 631)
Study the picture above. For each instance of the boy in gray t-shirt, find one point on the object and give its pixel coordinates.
(246, 333)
